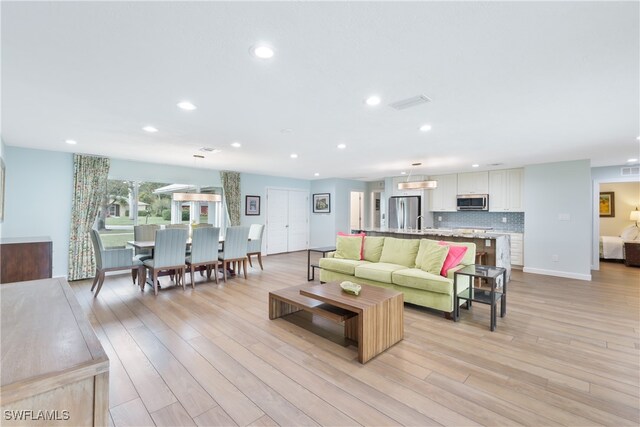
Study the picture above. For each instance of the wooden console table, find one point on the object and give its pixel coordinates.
(54, 369)
(25, 258)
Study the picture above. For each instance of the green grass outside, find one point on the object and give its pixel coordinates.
(143, 220)
(116, 238)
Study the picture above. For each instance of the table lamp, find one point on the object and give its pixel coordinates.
(635, 216)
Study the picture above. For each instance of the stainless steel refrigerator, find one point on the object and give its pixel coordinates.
(404, 212)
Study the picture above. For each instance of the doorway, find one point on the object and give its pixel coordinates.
(375, 208)
(356, 210)
(287, 220)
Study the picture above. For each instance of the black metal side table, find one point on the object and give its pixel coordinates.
(491, 296)
(311, 269)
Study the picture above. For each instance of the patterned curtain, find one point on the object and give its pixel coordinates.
(89, 184)
(231, 186)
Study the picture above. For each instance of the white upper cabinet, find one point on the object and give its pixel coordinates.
(505, 190)
(443, 198)
(473, 183)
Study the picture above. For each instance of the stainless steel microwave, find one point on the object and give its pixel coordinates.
(473, 202)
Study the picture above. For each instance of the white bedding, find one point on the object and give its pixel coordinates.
(612, 247)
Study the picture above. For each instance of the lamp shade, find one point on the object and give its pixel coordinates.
(196, 197)
(634, 216)
(418, 185)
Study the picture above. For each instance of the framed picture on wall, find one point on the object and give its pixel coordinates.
(607, 204)
(322, 203)
(252, 205)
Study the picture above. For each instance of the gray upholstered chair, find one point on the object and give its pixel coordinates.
(112, 260)
(168, 254)
(180, 226)
(204, 251)
(143, 233)
(235, 249)
(254, 247)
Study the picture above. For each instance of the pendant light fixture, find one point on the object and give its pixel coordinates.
(417, 185)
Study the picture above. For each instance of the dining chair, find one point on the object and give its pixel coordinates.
(235, 249)
(112, 260)
(254, 246)
(144, 233)
(204, 251)
(168, 254)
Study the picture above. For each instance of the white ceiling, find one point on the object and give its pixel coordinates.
(512, 83)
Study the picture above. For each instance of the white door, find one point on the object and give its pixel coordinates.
(298, 220)
(357, 209)
(287, 220)
(277, 207)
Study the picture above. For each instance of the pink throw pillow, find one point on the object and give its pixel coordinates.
(454, 257)
(340, 233)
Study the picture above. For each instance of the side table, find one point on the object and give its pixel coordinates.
(311, 269)
(632, 254)
(497, 292)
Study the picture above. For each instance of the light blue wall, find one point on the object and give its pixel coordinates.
(38, 199)
(4, 160)
(552, 190)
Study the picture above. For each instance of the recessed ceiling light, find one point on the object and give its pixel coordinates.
(186, 105)
(373, 100)
(475, 165)
(425, 128)
(70, 141)
(150, 129)
(262, 51)
(638, 138)
(293, 156)
(632, 160)
(342, 146)
(236, 144)
(316, 174)
(403, 173)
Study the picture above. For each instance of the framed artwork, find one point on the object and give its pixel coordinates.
(607, 204)
(322, 203)
(252, 205)
(2, 177)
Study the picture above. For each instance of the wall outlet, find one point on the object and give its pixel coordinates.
(504, 219)
(554, 258)
(564, 217)
(439, 218)
(487, 243)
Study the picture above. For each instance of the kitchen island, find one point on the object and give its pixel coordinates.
(497, 246)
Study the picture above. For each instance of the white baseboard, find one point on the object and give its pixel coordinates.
(565, 274)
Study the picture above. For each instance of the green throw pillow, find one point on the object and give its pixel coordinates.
(425, 246)
(433, 259)
(373, 248)
(348, 247)
(400, 251)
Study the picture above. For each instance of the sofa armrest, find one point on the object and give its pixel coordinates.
(329, 254)
(453, 270)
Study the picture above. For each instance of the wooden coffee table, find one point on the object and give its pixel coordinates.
(375, 318)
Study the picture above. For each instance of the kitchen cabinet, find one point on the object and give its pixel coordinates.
(473, 183)
(517, 249)
(443, 198)
(506, 190)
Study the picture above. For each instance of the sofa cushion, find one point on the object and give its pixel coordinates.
(373, 248)
(425, 245)
(378, 271)
(361, 235)
(344, 266)
(348, 247)
(400, 251)
(419, 279)
(434, 258)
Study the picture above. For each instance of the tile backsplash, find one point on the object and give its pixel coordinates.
(515, 220)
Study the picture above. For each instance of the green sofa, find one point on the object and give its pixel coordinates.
(397, 264)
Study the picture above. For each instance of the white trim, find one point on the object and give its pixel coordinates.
(557, 273)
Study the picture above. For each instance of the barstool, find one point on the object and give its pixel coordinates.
(481, 258)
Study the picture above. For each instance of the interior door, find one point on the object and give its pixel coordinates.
(298, 220)
(277, 220)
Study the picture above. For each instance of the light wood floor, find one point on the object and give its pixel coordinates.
(567, 353)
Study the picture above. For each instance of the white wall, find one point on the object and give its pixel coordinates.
(553, 191)
(627, 199)
(38, 199)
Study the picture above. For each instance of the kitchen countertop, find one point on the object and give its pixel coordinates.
(448, 232)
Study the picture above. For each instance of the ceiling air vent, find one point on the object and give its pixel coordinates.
(210, 150)
(627, 171)
(410, 102)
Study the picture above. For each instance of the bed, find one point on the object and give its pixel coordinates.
(612, 247)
